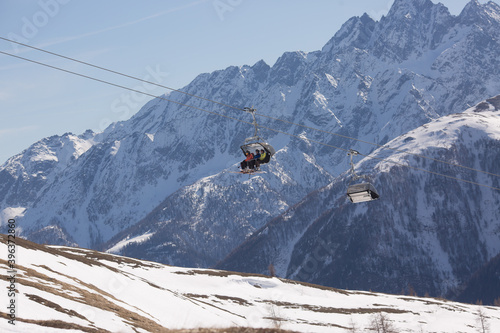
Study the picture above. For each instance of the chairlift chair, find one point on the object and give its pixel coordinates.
(361, 192)
(255, 142)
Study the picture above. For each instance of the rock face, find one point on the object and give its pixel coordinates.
(152, 186)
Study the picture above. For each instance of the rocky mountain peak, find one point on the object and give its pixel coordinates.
(261, 70)
(288, 68)
(483, 15)
(471, 12)
(410, 28)
(356, 32)
(401, 8)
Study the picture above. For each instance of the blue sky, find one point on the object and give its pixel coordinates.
(165, 41)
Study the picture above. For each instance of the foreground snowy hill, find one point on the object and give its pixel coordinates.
(62, 288)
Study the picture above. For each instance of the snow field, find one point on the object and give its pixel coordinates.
(90, 289)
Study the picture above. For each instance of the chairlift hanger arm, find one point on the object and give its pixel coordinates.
(252, 112)
(352, 153)
(359, 192)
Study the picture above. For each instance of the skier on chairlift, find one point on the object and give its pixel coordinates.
(263, 150)
(245, 164)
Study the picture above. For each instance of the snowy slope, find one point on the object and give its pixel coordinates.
(427, 232)
(88, 291)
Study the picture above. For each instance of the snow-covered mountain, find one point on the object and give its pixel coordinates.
(65, 288)
(25, 177)
(157, 187)
(427, 232)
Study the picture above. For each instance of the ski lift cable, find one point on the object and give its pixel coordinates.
(123, 87)
(382, 146)
(242, 121)
(387, 160)
(243, 109)
(118, 73)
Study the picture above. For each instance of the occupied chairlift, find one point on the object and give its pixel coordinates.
(256, 142)
(360, 192)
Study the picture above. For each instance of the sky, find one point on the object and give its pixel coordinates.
(168, 42)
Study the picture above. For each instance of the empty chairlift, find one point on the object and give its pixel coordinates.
(361, 192)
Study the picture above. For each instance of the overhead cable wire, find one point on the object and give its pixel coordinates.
(120, 86)
(239, 120)
(258, 114)
(382, 146)
(117, 73)
(388, 160)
